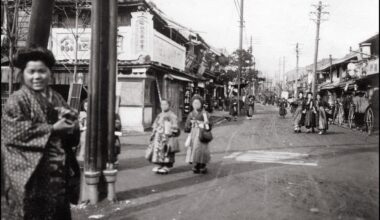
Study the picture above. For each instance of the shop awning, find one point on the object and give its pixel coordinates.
(174, 77)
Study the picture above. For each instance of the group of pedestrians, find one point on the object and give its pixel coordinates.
(164, 143)
(310, 113)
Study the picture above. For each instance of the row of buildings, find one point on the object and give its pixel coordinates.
(358, 70)
(157, 58)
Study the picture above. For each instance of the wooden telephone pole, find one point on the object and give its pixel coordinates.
(99, 150)
(319, 12)
(241, 50)
(40, 23)
(297, 70)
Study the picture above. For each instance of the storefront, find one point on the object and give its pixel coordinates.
(141, 89)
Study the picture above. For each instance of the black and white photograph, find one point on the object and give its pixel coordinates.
(190, 109)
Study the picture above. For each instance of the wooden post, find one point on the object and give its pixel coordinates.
(110, 172)
(40, 23)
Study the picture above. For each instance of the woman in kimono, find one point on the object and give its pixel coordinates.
(250, 107)
(322, 121)
(164, 140)
(234, 107)
(283, 104)
(198, 152)
(310, 115)
(38, 134)
(299, 116)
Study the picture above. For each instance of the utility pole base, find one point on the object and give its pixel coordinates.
(92, 180)
(110, 176)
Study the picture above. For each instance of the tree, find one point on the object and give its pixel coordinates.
(248, 73)
(14, 13)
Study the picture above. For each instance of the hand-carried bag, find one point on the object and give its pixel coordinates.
(173, 145)
(205, 136)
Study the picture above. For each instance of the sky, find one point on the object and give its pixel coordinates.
(277, 25)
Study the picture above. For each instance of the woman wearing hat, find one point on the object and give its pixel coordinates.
(38, 133)
(198, 152)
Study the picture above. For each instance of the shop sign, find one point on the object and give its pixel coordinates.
(372, 67)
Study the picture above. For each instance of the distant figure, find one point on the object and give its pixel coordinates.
(283, 104)
(250, 106)
(310, 113)
(299, 117)
(321, 119)
(234, 108)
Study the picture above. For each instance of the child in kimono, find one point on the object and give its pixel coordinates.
(164, 140)
(198, 152)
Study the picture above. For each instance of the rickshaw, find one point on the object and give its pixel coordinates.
(368, 111)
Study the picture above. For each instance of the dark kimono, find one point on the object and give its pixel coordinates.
(197, 152)
(310, 115)
(321, 117)
(299, 117)
(233, 107)
(282, 105)
(42, 174)
(250, 107)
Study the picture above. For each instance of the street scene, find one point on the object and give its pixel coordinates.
(193, 110)
(259, 170)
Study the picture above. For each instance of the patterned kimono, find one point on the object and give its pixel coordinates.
(165, 145)
(197, 151)
(298, 117)
(42, 174)
(322, 122)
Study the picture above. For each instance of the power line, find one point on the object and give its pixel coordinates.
(237, 8)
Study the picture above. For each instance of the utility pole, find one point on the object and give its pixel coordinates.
(297, 70)
(40, 22)
(241, 50)
(319, 12)
(99, 152)
(76, 41)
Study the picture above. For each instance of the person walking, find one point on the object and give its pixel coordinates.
(38, 133)
(299, 116)
(197, 124)
(321, 116)
(310, 114)
(164, 140)
(283, 104)
(234, 107)
(250, 106)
